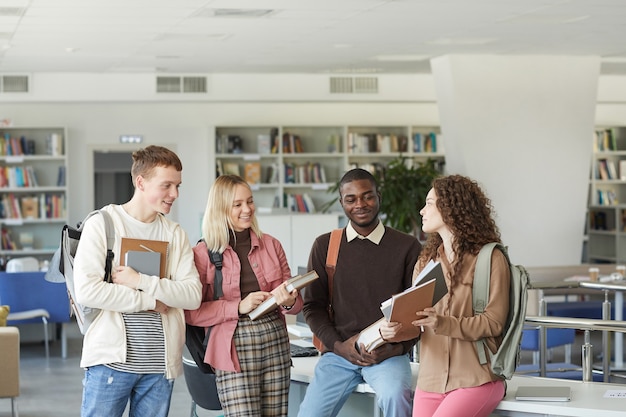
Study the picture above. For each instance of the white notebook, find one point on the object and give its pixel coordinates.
(543, 393)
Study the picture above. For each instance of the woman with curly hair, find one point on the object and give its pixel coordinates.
(458, 220)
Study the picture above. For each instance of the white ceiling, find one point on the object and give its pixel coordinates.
(298, 36)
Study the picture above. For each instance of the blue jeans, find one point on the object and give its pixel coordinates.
(106, 392)
(335, 378)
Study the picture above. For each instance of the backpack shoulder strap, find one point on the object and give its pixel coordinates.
(331, 259)
(480, 289)
(217, 260)
(109, 231)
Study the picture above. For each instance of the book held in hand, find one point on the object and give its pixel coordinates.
(429, 287)
(148, 263)
(145, 245)
(293, 283)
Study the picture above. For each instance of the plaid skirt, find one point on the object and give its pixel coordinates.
(262, 386)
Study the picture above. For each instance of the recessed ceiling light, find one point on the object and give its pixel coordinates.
(401, 58)
(234, 13)
(461, 41)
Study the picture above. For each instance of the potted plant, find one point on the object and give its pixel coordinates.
(403, 188)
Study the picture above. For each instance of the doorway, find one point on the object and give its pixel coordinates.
(112, 181)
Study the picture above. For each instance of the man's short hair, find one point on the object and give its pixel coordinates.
(150, 157)
(356, 174)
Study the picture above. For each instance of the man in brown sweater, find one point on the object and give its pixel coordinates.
(374, 263)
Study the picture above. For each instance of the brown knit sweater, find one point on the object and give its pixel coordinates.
(366, 275)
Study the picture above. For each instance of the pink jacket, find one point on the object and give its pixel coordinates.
(270, 266)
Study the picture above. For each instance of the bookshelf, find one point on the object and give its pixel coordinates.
(299, 164)
(33, 190)
(606, 223)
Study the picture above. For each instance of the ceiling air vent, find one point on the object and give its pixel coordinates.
(367, 85)
(14, 84)
(350, 85)
(168, 84)
(194, 84)
(181, 84)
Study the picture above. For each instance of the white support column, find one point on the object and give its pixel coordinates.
(522, 127)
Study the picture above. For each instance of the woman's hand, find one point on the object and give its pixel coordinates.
(396, 332)
(284, 297)
(252, 301)
(429, 319)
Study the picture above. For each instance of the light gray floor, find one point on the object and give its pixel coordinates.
(54, 389)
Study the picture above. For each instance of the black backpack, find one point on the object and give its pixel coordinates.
(196, 337)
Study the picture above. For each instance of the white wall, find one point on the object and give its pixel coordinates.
(99, 109)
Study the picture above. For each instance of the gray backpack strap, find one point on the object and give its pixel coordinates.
(110, 235)
(480, 290)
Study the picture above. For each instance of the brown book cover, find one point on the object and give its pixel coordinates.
(145, 245)
(428, 289)
(405, 305)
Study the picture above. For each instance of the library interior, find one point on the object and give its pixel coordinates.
(527, 97)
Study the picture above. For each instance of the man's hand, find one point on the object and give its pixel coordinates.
(160, 307)
(383, 352)
(347, 350)
(127, 276)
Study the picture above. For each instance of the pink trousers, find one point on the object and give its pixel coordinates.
(467, 402)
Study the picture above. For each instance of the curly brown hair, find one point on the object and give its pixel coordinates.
(467, 211)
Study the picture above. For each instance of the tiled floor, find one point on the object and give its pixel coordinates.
(54, 389)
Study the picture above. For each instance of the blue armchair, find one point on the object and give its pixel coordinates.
(34, 300)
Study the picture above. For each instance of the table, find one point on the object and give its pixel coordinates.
(587, 397)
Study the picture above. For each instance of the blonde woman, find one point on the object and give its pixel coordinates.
(251, 358)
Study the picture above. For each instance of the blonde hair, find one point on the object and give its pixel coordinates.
(216, 223)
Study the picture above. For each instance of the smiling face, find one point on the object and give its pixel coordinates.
(432, 222)
(160, 189)
(361, 203)
(242, 210)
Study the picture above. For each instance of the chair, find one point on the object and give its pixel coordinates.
(201, 387)
(10, 366)
(33, 300)
(554, 338)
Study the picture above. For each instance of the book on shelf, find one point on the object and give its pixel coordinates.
(30, 207)
(252, 172)
(61, 176)
(622, 169)
(264, 144)
(231, 168)
(428, 289)
(54, 144)
(145, 245)
(294, 283)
